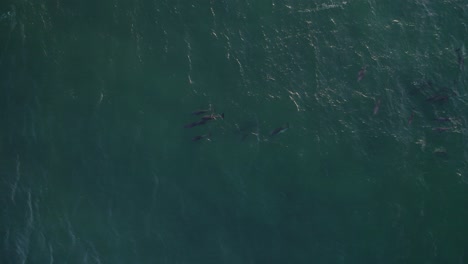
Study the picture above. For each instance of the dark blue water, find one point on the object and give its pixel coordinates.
(97, 167)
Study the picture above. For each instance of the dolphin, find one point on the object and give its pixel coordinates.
(441, 152)
(194, 124)
(212, 117)
(441, 129)
(279, 130)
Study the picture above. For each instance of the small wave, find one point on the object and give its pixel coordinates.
(324, 6)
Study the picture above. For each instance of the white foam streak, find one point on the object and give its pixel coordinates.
(189, 58)
(18, 176)
(241, 69)
(23, 241)
(51, 253)
(30, 216)
(22, 247)
(291, 96)
(95, 254)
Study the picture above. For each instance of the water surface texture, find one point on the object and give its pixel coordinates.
(370, 96)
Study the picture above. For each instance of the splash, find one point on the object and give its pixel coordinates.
(10, 15)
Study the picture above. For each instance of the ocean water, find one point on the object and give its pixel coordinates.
(97, 167)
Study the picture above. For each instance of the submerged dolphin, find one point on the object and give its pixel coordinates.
(441, 129)
(460, 59)
(410, 120)
(362, 73)
(438, 98)
(203, 111)
(376, 107)
(197, 138)
(200, 112)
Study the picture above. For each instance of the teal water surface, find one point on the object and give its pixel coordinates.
(97, 167)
